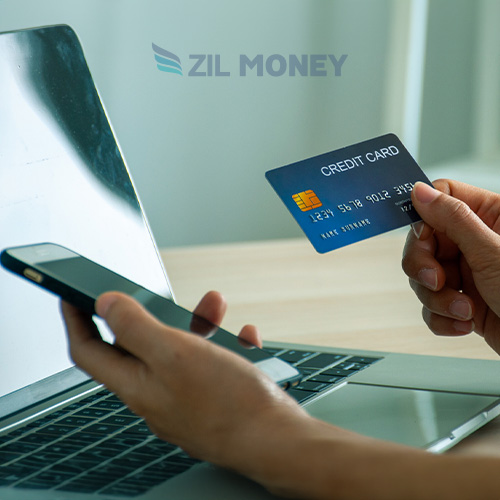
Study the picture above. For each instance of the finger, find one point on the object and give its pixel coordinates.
(135, 329)
(420, 264)
(212, 307)
(486, 204)
(447, 302)
(99, 359)
(80, 324)
(251, 334)
(454, 274)
(421, 230)
(448, 327)
(457, 220)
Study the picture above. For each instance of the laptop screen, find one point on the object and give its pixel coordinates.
(62, 180)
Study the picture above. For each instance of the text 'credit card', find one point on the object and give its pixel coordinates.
(350, 194)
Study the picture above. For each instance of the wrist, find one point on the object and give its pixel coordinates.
(323, 462)
(267, 446)
(301, 457)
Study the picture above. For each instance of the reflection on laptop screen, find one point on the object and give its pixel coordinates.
(62, 180)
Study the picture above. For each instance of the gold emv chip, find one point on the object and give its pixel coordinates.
(307, 200)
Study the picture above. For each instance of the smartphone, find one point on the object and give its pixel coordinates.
(80, 281)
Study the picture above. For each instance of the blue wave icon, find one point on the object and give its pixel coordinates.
(166, 61)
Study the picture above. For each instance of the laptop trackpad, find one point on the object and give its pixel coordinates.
(408, 416)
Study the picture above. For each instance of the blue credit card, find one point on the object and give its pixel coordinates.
(350, 194)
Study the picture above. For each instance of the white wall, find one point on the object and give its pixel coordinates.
(198, 147)
(460, 126)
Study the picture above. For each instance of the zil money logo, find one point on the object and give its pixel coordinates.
(167, 61)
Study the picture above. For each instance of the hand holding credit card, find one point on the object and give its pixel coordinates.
(350, 194)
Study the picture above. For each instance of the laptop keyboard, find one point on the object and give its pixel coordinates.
(97, 445)
(320, 370)
(93, 445)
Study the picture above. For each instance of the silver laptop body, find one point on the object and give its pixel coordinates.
(63, 180)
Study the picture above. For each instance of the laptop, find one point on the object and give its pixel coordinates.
(62, 436)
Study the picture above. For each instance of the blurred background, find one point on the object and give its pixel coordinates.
(198, 147)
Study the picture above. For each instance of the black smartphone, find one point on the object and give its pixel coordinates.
(80, 281)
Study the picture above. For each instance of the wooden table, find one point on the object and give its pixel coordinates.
(355, 297)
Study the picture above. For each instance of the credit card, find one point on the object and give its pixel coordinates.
(350, 194)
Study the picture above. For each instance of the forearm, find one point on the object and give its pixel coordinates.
(320, 461)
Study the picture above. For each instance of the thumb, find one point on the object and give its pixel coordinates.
(453, 217)
(135, 330)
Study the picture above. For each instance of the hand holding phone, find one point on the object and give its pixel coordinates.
(80, 281)
(190, 392)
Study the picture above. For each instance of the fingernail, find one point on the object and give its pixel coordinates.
(103, 303)
(425, 193)
(464, 326)
(461, 309)
(428, 277)
(418, 227)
